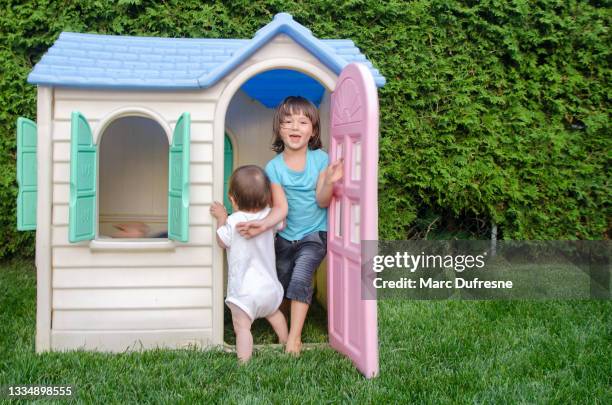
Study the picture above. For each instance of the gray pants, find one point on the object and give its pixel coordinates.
(296, 262)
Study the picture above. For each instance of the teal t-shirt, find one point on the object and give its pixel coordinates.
(304, 216)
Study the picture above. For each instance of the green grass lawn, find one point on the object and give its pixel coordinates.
(430, 352)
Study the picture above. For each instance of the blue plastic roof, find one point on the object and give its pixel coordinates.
(123, 62)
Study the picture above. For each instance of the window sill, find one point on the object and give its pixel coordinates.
(132, 245)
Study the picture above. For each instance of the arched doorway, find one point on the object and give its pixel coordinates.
(249, 115)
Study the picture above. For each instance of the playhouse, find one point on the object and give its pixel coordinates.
(147, 130)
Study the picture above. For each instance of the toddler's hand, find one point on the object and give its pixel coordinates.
(250, 229)
(218, 211)
(335, 171)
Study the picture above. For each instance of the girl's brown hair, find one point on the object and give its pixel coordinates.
(293, 105)
(249, 186)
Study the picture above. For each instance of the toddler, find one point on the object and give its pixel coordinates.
(253, 289)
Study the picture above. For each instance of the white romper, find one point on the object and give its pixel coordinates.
(252, 284)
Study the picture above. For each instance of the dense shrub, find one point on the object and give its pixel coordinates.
(493, 111)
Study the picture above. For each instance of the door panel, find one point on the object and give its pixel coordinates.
(353, 216)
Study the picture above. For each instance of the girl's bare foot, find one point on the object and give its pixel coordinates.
(294, 347)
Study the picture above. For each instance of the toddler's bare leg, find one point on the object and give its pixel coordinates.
(279, 324)
(242, 328)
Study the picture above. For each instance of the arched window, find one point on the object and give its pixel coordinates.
(133, 159)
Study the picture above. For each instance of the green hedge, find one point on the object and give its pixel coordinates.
(493, 111)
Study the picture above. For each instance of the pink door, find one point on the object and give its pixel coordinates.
(353, 216)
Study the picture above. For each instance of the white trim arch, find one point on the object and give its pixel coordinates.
(126, 112)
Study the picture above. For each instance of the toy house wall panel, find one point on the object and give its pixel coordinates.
(61, 151)
(96, 105)
(81, 256)
(201, 173)
(199, 235)
(198, 215)
(196, 96)
(97, 110)
(61, 173)
(201, 194)
(61, 193)
(134, 319)
(201, 131)
(201, 152)
(61, 130)
(152, 282)
(131, 298)
(283, 46)
(106, 288)
(132, 277)
(60, 215)
(119, 341)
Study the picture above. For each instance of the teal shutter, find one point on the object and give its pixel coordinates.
(178, 181)
(83, 173)
(26, 174)
(228, 168)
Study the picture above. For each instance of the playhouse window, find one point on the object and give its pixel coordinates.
(133, 179)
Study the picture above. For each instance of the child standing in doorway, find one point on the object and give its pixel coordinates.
(302, 185)
(253, 289)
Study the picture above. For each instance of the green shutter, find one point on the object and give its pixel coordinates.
(228, 168)
(83, 173)
(178, 181)
(26, 174)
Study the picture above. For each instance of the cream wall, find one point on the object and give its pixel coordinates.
(110, 298)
